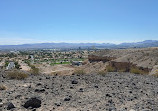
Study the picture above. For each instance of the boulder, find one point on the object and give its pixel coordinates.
(10, 106)
(33, 103)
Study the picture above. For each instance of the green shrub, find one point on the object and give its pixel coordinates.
(6, 63)
(17, 65)
(17, 75)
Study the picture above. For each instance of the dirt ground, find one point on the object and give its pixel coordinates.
(65, 69)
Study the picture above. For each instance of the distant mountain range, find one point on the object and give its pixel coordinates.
(143, 44)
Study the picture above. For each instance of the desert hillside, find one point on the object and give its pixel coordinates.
(145, 58)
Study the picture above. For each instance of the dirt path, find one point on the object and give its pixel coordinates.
(24, 66)
(60, 69)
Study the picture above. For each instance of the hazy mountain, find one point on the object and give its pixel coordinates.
(146, 43)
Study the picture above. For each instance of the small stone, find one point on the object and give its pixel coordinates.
(39, 84)
(130, 91)
(132, 110)
(67, 99)
(108, 95)
(81, 90)
(47, 77)
(34, 110)
(74, 82)
(57, 104)
(146, 110)
(40, 90)
(1, 104)
(18, 96)
(71, 87)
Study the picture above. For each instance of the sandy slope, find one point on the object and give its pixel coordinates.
(60, 69)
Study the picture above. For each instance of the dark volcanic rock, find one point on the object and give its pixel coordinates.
(74, 82)
(40, 90)
(81, 90)
(10, 106)
(67, 99)
(108, 95)
(33, 103)
(57, 104)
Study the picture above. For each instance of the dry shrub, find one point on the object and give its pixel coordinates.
(85, 62)
(156, 74)
(122, 70)
(2, 87)
(137, 71)
(102, 72)
(16, 74)
(34, 70)
(110, 68)
(79, 71)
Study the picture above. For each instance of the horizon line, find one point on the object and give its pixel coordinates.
(79, 42)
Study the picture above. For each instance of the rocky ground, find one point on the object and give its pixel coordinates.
(89, 92)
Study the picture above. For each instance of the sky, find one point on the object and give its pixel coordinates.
(93, 21)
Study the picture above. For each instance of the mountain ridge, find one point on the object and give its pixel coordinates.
(64, 45)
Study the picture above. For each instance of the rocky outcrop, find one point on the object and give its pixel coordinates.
(127, 66)
(95, 58)
(142, 57)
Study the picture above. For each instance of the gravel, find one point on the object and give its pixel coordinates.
(89, 92)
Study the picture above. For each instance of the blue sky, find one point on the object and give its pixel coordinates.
(114, 21)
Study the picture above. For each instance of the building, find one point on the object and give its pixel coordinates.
(77, 63)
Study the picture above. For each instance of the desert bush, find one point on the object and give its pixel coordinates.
(102, 72)
(85, 62)
(136, 71)
(2, 87)
(17, 65)
(34, 70)
(110, 68)
(156, 74)
(17, 75)
(122, 70)
(79, 71)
